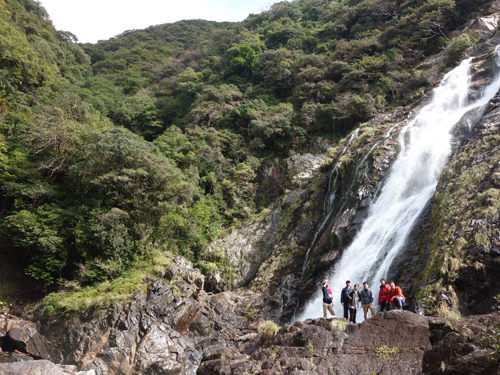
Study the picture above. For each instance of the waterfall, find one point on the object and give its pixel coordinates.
(327, 212)
(330, 199)
(425, 147)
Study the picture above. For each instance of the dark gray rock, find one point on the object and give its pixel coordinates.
(27, 340)
(4, 340)
(455, 355)
(163, 331)
(171, 272)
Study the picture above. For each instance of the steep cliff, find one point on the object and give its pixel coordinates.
(455, 240)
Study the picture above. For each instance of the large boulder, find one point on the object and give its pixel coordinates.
(28, 340)
(401, 329)
(22, 335)
(456, 355)
(42, 367)
(487, 26)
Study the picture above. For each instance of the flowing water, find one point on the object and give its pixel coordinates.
(330, 198)
(425, 146)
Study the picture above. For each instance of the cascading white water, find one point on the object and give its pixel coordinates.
(425, 148)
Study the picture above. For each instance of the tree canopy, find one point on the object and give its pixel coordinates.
(152, 140)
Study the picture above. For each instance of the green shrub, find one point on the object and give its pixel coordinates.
(387, 353)
(269, 329)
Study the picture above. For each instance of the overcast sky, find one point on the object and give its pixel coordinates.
(93, 20)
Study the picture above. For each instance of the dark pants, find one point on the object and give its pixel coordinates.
(352, 317)
(385, 306)
(346, 311)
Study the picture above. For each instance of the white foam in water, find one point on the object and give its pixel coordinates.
(425, 148)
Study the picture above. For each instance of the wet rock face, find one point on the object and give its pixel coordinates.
(484, 67)
(162, 330)
(390, 343)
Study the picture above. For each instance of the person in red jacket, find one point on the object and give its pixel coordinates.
(383, 296)
(396, 296)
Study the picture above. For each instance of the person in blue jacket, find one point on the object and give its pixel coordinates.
(344, 300)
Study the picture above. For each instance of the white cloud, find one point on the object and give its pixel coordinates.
(92, 20)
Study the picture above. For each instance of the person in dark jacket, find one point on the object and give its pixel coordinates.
(383, 296)
(367, 300)
(343, 299)
(327, 299)
(354, 299)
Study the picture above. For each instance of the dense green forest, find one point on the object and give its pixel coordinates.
(152, 141)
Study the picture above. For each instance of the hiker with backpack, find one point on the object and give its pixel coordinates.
(327, 299)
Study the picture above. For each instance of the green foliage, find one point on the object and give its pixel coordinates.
(490, 336)
(309, 345)
(242, 60)
(455, 52)
(386, 353)
(154, 140)
(102, 295)
(269, 329)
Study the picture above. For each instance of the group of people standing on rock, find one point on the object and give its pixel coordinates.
(353, 298)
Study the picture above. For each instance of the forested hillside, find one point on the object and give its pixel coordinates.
(151, 142)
